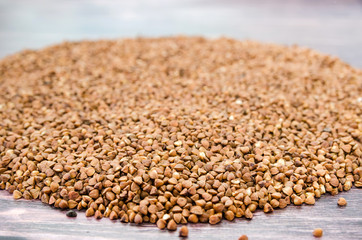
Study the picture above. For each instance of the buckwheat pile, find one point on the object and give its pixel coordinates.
(176, 130)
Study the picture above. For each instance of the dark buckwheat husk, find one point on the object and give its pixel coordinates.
(175, 130)
(71, 213)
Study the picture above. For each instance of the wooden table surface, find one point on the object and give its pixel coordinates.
(333, 27)
(23, 219)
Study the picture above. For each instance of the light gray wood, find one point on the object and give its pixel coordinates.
(33, 220)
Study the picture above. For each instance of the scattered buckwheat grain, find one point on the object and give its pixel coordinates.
(342, 202)
(243, 237)
(318, 232)
(184, 231)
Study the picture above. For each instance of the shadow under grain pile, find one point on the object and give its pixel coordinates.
(177, 130)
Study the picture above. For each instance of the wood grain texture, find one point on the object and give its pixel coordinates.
(33, 220)
(333, 27)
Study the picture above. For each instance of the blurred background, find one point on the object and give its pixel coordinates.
(330, 26)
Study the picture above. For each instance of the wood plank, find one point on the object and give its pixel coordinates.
(34, 220)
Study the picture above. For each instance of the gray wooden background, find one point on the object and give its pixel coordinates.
(23, 219)
(333, 27)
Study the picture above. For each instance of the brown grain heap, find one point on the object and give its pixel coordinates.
(177, 130)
